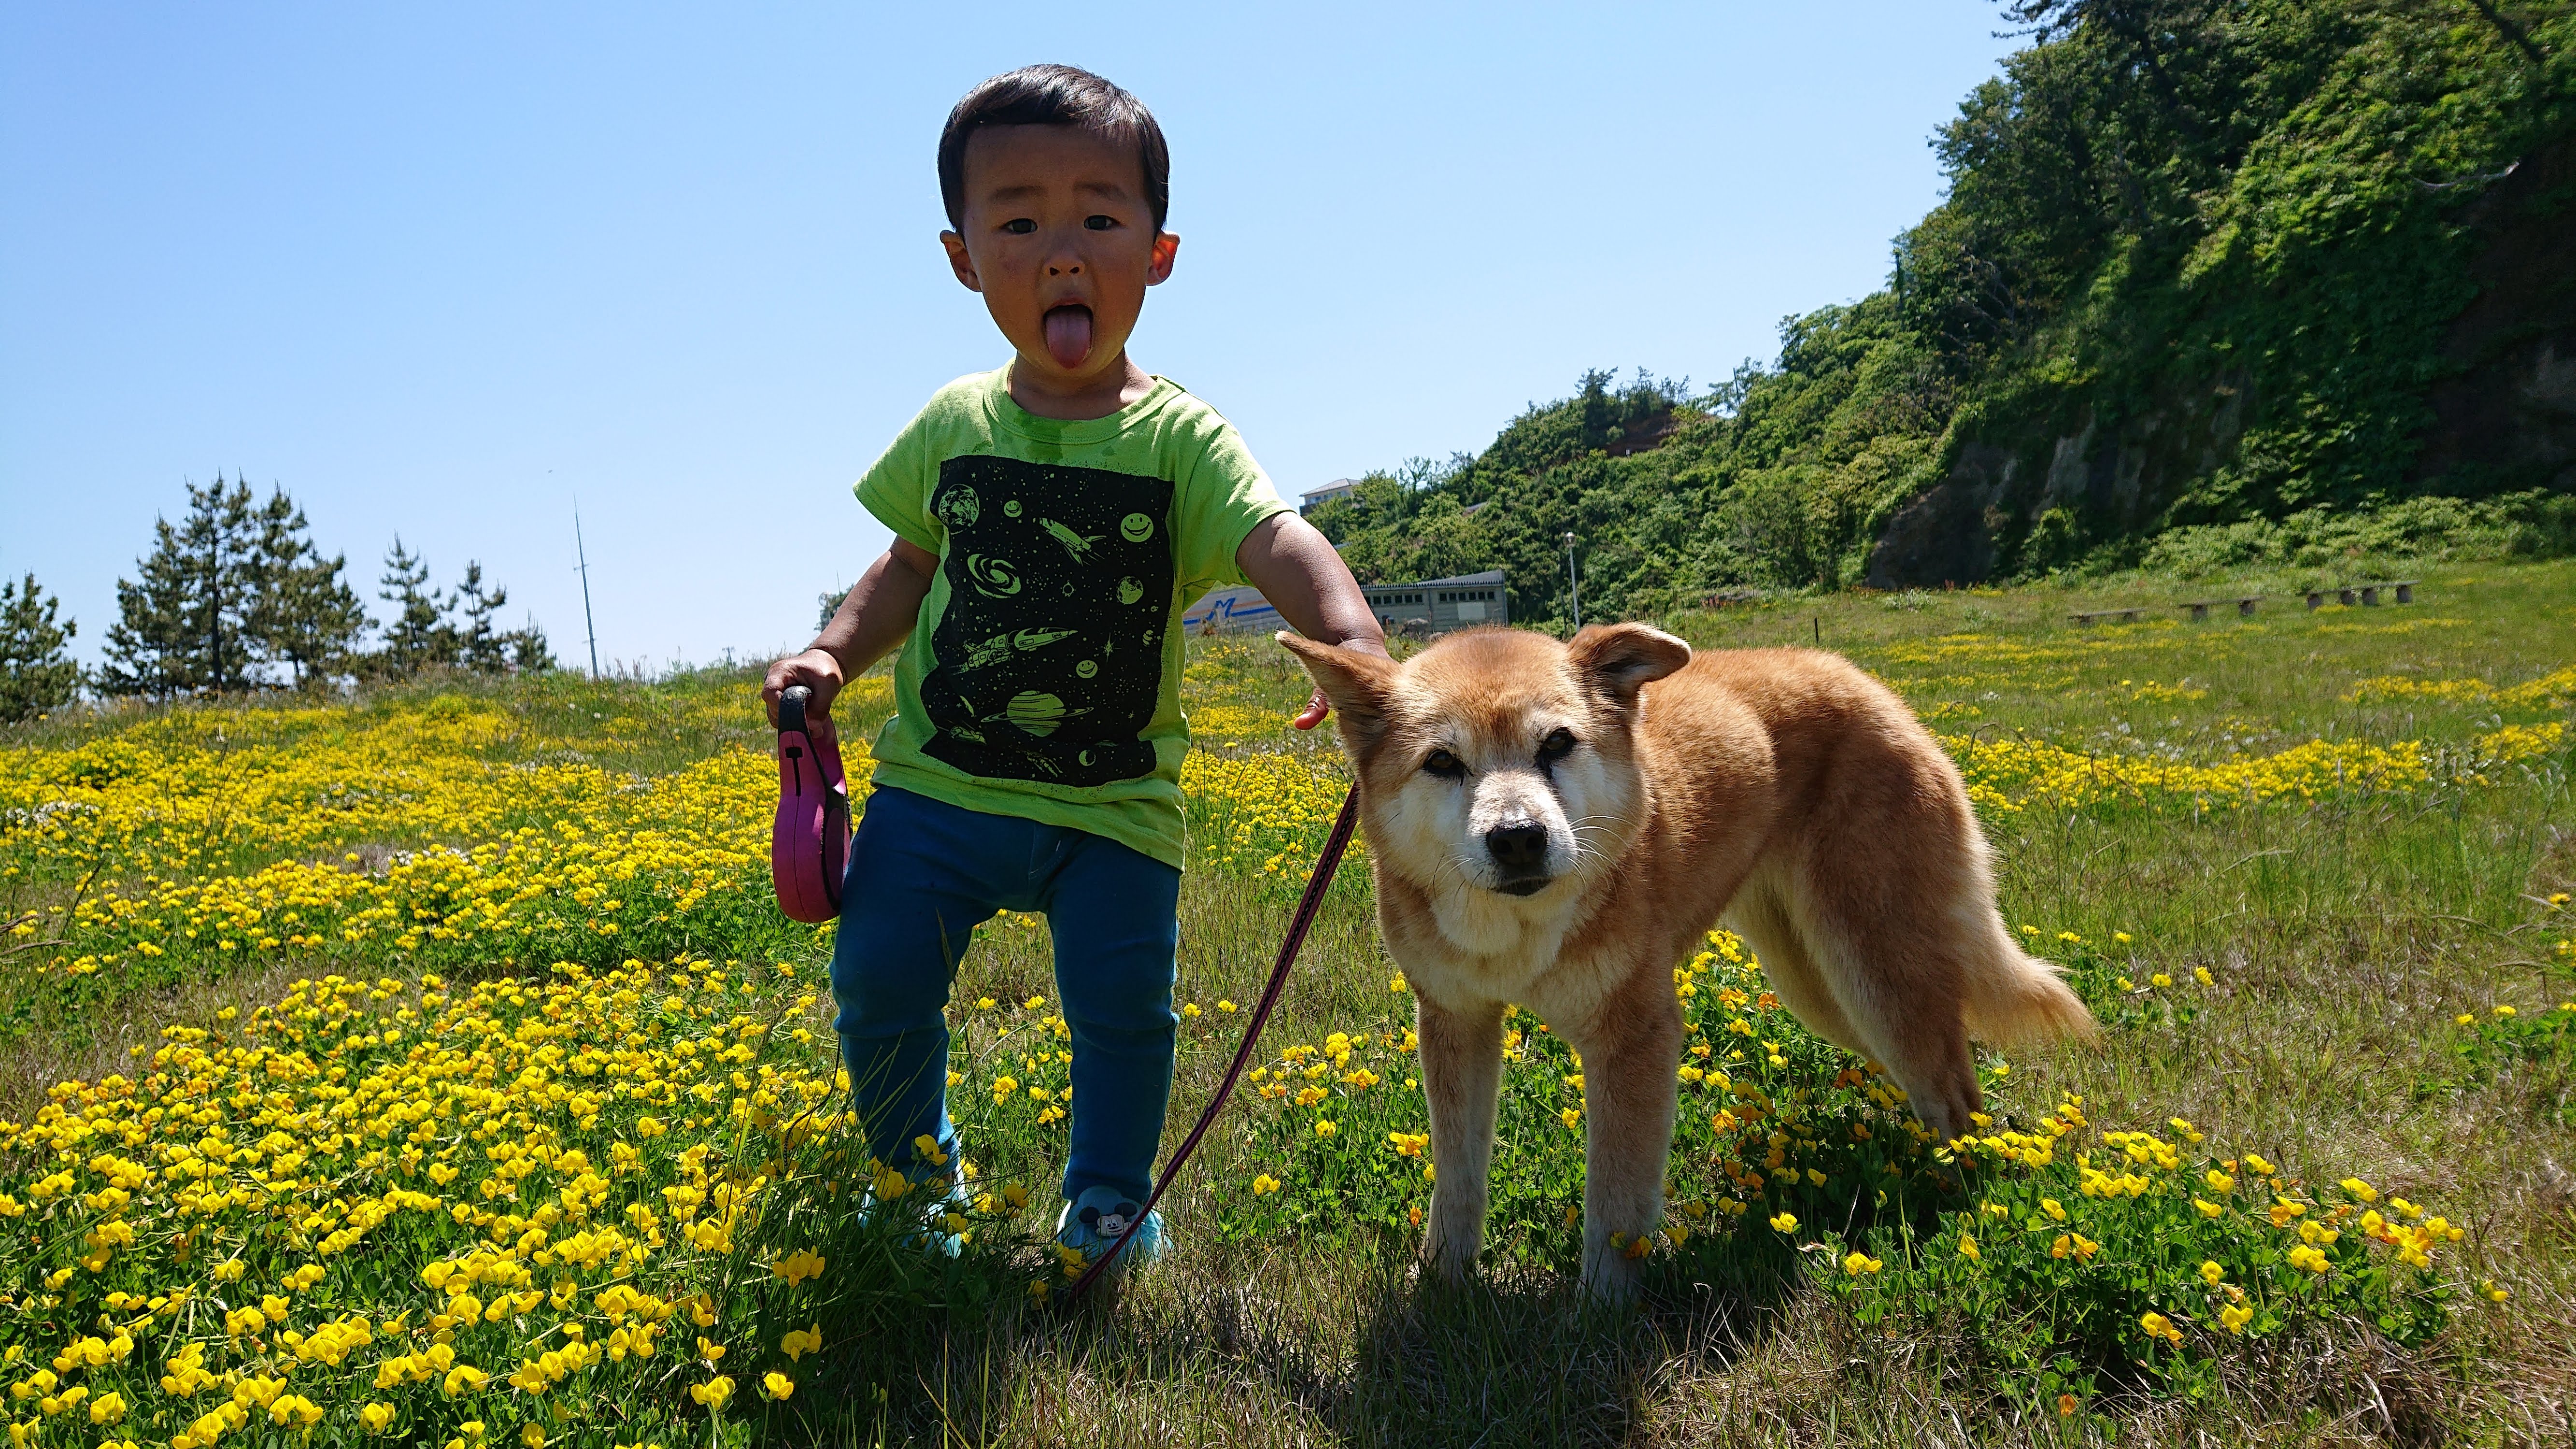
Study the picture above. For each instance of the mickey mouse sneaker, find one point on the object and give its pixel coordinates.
(1091, 1223)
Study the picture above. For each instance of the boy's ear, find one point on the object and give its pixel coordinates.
(1356, 683)
(962, 264)
(1167, 248)
(1619, 659)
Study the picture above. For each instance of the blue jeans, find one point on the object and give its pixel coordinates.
(923, 875)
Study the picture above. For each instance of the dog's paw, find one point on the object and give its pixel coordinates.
(1610, 1278)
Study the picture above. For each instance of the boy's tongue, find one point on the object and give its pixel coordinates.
(1068, 335)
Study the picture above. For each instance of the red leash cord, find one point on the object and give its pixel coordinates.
(1308, 906)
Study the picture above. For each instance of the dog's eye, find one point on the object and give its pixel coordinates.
(1443, 764)
(1558, 744)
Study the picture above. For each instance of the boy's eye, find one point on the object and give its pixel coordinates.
(1098, 223)
(1443, 764)
(1019, 226)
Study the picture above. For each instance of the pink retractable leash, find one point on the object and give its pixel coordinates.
(809, 842)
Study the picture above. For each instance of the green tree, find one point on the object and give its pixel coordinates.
(187, 625)
(419, 634)
(36, 672)
(482, 647)
(307, 616)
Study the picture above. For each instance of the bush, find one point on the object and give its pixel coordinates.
(2534, 524)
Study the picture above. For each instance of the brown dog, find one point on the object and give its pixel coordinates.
(1558, 824)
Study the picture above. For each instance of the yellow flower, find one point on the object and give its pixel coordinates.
(1859, 1262)
(2066, 1405)
(1571, 1117)
(1968, 1247)
(2159, 1326)
(534, 1436)
(2212, 1274)
(798, 1266)
(777, 1385)
(375, 1417)
(2234, 1316)
(1396, 983)
(1784, 1222)
(1262, 1183)
(799, 1342)
(713, 1393)
(2359, 1190)
(2493, 1293)
(2207, 1209)
(2465, 1018)
(2049, 1205)
(2201, 975)
(1324, 1127)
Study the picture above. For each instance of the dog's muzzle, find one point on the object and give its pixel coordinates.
(1519, 851)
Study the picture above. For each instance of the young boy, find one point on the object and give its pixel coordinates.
(1051, 521)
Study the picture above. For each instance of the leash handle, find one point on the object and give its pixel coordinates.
(1308, 906)
(809, 841)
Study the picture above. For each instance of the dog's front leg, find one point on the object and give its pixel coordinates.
(1629, 1088)
(1462, 1072)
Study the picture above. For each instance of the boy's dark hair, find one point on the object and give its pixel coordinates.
(1054, 95)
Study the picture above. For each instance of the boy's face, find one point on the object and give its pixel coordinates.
(1059, 238)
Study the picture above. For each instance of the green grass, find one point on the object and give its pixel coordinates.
(2344, 936)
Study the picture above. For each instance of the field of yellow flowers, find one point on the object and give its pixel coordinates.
(434, 1068)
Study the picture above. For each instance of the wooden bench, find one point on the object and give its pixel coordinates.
(2200, 608)
(2125, 616)
(2366, 595)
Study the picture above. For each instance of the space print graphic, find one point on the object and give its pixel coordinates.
(1049, 658)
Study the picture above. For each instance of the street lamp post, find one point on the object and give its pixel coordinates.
(1573, 583)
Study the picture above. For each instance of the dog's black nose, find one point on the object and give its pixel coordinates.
(1520, 848)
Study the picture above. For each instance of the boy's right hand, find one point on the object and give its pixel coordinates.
(817, 670)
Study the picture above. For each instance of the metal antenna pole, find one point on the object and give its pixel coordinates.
(582, 553)
(1573, 583)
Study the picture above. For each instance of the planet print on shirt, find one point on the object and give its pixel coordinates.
(1045, 663)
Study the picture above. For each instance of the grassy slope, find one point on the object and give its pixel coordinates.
(2344, 939)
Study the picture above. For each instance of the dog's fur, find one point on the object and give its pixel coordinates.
(1557, 825)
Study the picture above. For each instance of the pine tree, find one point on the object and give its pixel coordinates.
(479, 646)
(307, 617)
(527, 648)
(419, 634)
(187, 625)
(36, 672)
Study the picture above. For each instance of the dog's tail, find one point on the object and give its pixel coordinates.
(2015, 997)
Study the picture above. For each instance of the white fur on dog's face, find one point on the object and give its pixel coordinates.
(1513, 798)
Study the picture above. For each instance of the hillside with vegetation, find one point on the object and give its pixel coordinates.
(2214, 283)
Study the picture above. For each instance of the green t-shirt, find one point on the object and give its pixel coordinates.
(1043, 678)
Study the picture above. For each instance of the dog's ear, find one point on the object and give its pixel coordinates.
(1620, 659)
(1356, 683)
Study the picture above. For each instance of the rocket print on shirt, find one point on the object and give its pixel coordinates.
(1048, 660)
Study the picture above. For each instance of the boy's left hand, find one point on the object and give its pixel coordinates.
(1298, 571)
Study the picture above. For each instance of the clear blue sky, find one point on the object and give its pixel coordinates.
(437, 269)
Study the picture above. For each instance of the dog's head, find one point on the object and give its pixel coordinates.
(1497, 759)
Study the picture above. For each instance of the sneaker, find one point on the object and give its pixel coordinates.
(1093, 1221)
(948, 1205)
